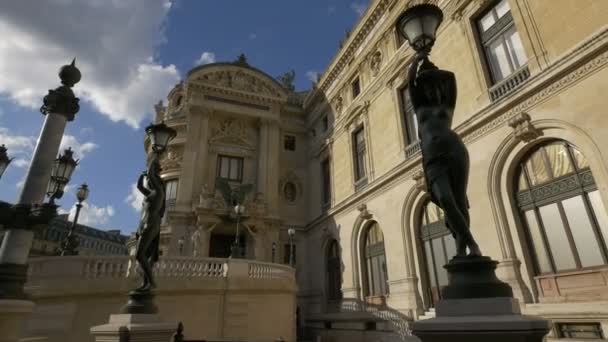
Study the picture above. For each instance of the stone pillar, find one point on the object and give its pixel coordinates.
(134, 327)
(263, 157)
(272, 190)
(60, 106)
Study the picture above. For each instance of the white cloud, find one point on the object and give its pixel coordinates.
(135, 198)
(113, 42)
(90, 214)
(80, 149)
(16, 144)
(312, 75)
(20, 163)
(358, 7)
(205, 58)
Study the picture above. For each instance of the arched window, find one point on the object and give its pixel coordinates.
(375, 262)
(439, 248)
(334, 280)
(565, 219)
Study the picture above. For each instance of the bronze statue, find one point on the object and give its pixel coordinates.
(445, 157)
(148, 233)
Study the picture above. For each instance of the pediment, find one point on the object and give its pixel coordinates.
(238, 78)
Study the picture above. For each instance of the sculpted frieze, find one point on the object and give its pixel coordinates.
(231, 131)
(239, 80)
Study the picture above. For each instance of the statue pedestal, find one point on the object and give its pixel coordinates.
(477, 307)
(140, 302)
(12, 315)
(134, 327)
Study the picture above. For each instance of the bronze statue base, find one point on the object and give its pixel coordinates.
(140, 302)
(474, 277)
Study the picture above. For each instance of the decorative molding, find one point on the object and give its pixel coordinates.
(523, 129)
(364, 214)
(291, 178)
(239, 80)
(375, 63)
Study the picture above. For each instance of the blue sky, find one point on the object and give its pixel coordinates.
(131, 53)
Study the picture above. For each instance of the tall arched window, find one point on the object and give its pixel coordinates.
(439, 248)
(375, 262)
(566, 221)
(334, 280)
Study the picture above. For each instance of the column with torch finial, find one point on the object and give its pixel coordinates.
(60, 106)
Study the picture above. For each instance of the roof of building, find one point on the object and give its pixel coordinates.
(62, 222)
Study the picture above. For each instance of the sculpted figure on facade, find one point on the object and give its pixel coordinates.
(196, 242)
(445, 157)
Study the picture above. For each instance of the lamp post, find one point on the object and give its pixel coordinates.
(473, 289)
(71, 241)
(274, 251)
(60, 106)
(291, 232)
(4, 160)
(235, 250)
(61, 173)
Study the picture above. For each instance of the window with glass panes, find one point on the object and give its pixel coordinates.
(439, 247)
(359, 153)
(561, 207)
(230, 168)
(171, 189)
(411, 121)
(375, 262)
(501, 43)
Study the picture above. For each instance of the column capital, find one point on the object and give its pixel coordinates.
(62, 100)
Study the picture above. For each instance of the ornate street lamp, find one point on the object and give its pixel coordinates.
(274, 251)
(61, 173)
(71, 241)
(419, 26)
(152, 187)
(235, 250)
(4, 160)
(291, 232)
(160, 135)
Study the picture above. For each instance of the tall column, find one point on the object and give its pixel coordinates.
(60, 106)
(263, 157)
(272, 190)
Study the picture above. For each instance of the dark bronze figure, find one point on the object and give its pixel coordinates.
(444, 155)
(148, 233)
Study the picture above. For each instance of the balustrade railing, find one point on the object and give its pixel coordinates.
(109, 267)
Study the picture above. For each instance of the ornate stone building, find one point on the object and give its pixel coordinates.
(341, 164)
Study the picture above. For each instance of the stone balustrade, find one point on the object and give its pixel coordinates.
(108, 267)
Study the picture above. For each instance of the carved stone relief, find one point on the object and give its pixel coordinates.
(523, 130)
(375, 63)
(290, 187)
(231, 131)
(239, 80)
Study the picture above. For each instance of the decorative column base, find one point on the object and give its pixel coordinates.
(134, 327)
(477, 307)
(12, 315)
(140, 302)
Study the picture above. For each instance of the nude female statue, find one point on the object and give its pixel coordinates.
(148, 233)
(444, 155)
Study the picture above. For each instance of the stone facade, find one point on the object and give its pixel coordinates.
(234, 110)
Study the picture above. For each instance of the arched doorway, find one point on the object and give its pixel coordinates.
(333, 269)
(374, 264)
(439, 247)
(564, 219)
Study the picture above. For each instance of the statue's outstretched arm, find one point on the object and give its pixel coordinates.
(140, 185)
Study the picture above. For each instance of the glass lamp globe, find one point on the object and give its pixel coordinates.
(82, 193)
(160, 135)
(239, 209)
(419, 26)
(291, 231)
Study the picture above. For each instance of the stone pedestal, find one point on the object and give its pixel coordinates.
(134, 327)
(477, 307)
(12, 315)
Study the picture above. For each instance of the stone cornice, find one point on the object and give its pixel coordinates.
(235, 93)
